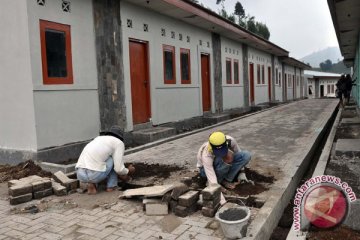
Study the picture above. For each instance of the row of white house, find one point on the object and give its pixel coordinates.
(72, 68)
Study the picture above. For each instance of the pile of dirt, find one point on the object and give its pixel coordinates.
(25, 169)
(337, 233)
(144, 170)
(256, 177)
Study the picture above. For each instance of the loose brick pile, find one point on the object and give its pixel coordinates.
(35, 187)
(182, 201)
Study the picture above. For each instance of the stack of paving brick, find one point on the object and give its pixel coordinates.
(25, 189)
(187, 204)
(66, 184)
(211, 200)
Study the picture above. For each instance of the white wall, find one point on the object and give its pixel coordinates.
(258, 57)
(233, 94)
(328, 82)
(55, 105)
(169, 102)
(17, 121)
(279, 85)
(289, 70)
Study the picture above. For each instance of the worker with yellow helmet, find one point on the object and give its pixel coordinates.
(220, 160)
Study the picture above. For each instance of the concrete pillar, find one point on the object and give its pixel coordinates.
(294, 85)
(273, 77)
(245, 74)
(317, 87)
(217, 67)
(284, 83)
(109, 56)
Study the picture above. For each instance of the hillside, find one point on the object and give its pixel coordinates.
(336, 68)
(332, 53)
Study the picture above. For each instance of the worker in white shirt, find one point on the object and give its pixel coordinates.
(220, 160)
(103, 158)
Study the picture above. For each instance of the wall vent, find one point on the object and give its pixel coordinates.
(180, 37)
(41, 2)
(173, 34)
(188, 38)
(65, 6)
(200, 42)
(163, 32)
(129, 23)
(146, 27)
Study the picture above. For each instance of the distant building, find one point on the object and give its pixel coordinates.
(345, 15)
(321, 84)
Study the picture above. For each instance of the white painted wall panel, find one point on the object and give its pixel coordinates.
(165, 106)
(233, 97)
(17, 121)
(69, 112)
(233, 94)
(261, 90)
(184, 102)
(63, 117)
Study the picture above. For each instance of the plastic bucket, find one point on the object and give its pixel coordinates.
(233, 221)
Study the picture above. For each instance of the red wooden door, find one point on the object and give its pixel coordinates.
(205, 79)
(269, 77)
(140, 86)
(252, 88)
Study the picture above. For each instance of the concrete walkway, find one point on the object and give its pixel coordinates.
(280, 140)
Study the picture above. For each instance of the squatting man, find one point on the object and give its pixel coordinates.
(101, 159)
(220, 160)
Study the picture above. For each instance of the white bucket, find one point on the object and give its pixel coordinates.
(236, 228)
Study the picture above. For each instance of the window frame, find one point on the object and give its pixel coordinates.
(69, 69)
(171, 49)
(228, 81)
(237, 81)
(262, 74)
(185, 81)
(258, 74)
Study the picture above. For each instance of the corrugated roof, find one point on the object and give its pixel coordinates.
(321, 74)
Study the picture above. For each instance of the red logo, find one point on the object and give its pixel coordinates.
(325, 206)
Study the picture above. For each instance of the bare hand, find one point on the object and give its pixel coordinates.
(124, 178)
(229, 157)
(131, 169)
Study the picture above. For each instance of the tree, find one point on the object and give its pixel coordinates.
(262, 30)
(239, 10)
(326, 66)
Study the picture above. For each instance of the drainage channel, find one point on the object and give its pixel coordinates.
(285, 223)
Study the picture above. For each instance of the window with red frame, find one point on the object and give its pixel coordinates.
(185, 66)
(236, 72)
(263, 74)
(258, 74)
(56, 56)
(169, 64)
(228, 71)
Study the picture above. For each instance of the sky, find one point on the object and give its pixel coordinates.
(299, 26)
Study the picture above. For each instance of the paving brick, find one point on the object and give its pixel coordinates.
(211, 192)
(209, 212)
(154, 208)
(20, 199)
(14, 234)
(44, 193)
(182, 211)
(59, 190)
(188, 199)
(179, 190)
(51, 236)
(38, 186)
(14, 182)
(211, 203)
(20, 189)
(70, 184)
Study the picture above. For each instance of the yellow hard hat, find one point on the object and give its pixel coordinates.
(217, 141)
(217, 138)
